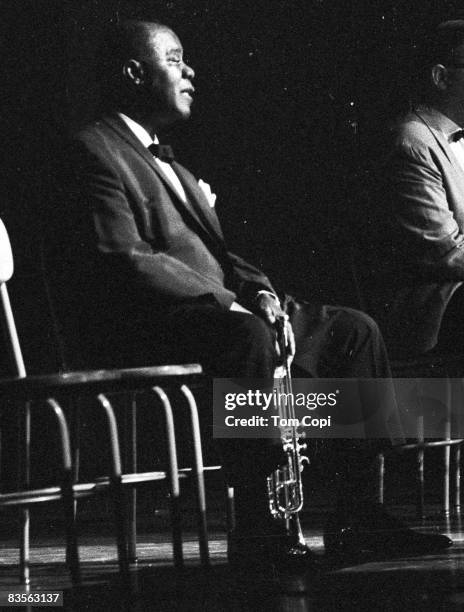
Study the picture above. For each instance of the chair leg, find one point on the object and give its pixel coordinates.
(420, 468)
(199, 477)
(381, 489)
(420, 483)
(71, 521)
(132, 451)
(24, 547)
(19, 370)
(24, 477)
(117, 492)
(72, 551)
(230, 509)
(176, 521)
(457, 478)
(173, 473)
(119, 505)
(67, 493)
(76, 446)
(446, 481)
(447, 457)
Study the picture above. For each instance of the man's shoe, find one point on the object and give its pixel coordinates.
(374, 531)
(278, 551)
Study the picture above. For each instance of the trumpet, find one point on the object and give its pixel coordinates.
(284, 485)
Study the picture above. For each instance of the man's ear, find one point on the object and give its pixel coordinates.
(440, 77)
(133, 71)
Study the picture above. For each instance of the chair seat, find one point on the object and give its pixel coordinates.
(35, 496)
(428, 444)
(95, 381)
(135, 478)
(207, 468)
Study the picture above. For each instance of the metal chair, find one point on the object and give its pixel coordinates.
(418, 366)
(423, 367)
(52, 390)
(56, 389)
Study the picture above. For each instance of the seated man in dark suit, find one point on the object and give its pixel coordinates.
(418, 299)
(141, 257)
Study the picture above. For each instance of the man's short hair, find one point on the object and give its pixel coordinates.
(440, 49)
(121, 41)
(437, 47)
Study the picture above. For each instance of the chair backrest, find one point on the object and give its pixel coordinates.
(6, 272)
(6, 255)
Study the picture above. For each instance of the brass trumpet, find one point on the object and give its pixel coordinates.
(284, 485)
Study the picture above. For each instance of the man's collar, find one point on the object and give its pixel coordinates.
(138, 131)
(440, 121)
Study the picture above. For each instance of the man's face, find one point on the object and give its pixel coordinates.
(167, 79)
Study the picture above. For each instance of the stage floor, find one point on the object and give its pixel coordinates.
(432, 582)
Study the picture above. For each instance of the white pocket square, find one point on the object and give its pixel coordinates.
(209, 195)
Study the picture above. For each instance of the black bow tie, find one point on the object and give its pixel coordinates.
(163, 152)
(458, 135)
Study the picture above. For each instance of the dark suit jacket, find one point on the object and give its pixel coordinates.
(418, 248)
(127, 249)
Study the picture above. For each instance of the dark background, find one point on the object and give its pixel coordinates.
(293, 100)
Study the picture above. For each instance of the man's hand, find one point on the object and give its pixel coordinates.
(268, 307)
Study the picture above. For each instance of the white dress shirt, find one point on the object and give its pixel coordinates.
(145, 138)
(449, 129)
(457, 146)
